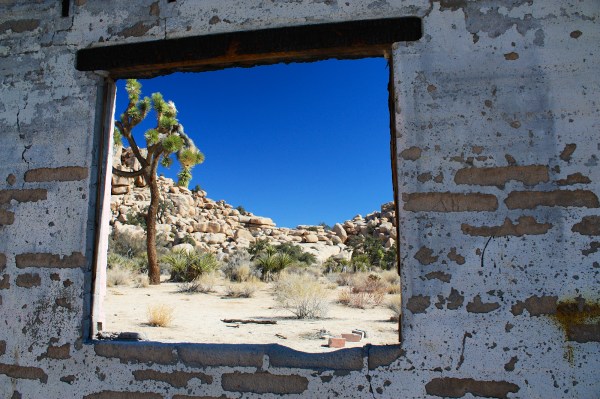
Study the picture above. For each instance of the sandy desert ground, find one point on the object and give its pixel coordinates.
(198, 318)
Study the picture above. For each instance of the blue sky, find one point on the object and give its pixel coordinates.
(302, 143)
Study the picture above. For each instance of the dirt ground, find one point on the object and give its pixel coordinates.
(197, 318)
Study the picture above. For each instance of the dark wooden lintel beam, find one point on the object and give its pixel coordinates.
(354, 39)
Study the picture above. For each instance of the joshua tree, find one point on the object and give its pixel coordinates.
(166, 139)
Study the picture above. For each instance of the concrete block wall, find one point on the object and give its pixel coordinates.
(496, 132)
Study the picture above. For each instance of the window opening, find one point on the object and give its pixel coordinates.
(321, 132)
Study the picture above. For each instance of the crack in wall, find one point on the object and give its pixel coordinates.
(461, 360)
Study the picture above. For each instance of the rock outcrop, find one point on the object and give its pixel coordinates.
(191, 217)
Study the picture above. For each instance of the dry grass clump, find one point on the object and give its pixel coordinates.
(344, 279)
(204, 283)
(118, 276)
(395, 305)
(302, 295)
(246, 289)
(365, 291)
(160, 315)
(141, 281)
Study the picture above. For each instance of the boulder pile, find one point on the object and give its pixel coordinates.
(191, 219)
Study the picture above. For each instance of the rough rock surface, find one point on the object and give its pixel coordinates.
(215, 226)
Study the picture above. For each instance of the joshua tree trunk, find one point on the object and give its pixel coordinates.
(153, 267)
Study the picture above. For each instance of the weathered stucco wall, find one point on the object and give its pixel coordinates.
(497, 123)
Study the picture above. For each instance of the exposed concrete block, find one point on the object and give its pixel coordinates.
(524, 226)
(477, 306)
(177, 379)
(75, 260)
(459, 387)
(64, 173)
(536, 305)
(263, 383)
(589, 226)
(137, 352)
(499, 176)
(418, 303)
(124, 395)
(30, 195)
(449, 202)
(24, 372)
(6, 217)
(425, 256)
(533, 199)
(220, 355)
(28, 280)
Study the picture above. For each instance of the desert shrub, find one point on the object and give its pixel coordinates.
(390, 258)
(160, 315)
(141, 281)
(136, 218)
(345, 296)
(390, 276)
(325, 226)
(241, 210)
(239, 267)
(360, 263)
(118, 276)
(204, 283)
(258, 247)
(364, 291)
(312, 228)
(115, 260)
(395, 305)
(305, 297)
(344, 279)
(375, 254)
(125, 245)
(296, 253)
(196, 188)
(335, 265)
(393, 280)
(242, 290)
(140, 263)
(187, 266)
(188, 239)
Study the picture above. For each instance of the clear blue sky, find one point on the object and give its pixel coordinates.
(302, 143)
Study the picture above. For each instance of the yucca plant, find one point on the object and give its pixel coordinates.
(188, 266)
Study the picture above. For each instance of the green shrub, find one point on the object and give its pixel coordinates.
(125, 245)
(269, 264)
(296, 253)
(373, 249)
(187, 266)
(335, 265)
(136, 218)
(241, 210)
(258, 247)
(360, 263)
(188, 239)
